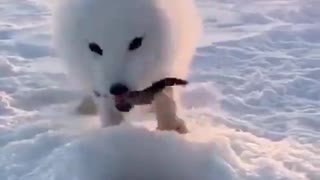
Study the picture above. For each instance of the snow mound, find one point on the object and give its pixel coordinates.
(126, 152)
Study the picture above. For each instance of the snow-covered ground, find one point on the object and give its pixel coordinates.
(253, 106)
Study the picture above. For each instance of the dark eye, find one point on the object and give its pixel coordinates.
(95, 48)
(135, 43)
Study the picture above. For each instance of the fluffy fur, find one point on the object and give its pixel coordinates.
(170, 28)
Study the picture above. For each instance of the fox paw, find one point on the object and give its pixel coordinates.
(179, 126)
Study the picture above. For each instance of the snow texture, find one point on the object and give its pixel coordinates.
(253, 105)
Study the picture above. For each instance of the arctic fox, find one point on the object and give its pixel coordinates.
(111, 47)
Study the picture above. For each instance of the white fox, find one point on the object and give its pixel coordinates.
(111, 47)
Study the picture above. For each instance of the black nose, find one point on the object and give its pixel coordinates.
(118, 89)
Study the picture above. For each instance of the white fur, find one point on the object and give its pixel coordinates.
(171, 29)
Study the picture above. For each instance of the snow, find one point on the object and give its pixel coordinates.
(253, 105)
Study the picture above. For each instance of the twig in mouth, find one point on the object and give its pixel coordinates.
(146, 96)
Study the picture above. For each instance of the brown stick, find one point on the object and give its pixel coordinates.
(146, 96)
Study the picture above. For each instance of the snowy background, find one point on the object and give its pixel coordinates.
(253, 106)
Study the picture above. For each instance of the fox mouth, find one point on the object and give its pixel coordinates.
(119, 92)
(121, 103)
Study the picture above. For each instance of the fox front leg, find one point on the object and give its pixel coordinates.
(166, 112)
